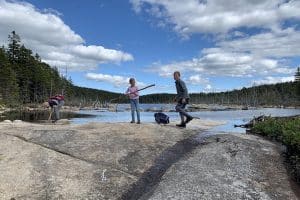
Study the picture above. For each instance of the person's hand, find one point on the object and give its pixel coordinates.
(183, 100)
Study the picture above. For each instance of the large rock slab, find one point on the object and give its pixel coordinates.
(228, 167)
(103, 160)
(92, 161)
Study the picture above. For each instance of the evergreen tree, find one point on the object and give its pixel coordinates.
(297, 79)
(9, 91)
(14, 47)
(297, 75)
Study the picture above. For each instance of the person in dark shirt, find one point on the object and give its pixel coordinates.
(182, 98)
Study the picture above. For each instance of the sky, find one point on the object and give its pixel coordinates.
(216, 45)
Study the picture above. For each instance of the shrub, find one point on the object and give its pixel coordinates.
(287, 131)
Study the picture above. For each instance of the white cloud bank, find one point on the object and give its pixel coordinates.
(216, 16)
(271, 80)
(117, 81)
(46, 34)
(238, 52)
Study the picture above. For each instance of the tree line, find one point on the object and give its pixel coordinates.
(280, 94)
(25, 79)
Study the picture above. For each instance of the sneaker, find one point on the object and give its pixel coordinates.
(182, 125)
(188, 119)
(138, 122)
(132, 122)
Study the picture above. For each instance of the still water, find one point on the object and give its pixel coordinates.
(231, 117)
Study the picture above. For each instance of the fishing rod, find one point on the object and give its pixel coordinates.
(121, 95)
(142, 88)
(152, 85)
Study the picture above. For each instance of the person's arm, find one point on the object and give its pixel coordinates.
(176, 98)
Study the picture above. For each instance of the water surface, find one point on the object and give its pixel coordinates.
(231, 117)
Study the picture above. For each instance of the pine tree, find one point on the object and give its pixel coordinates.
(9, 90)
(297, 79)
(297, 75)
(14, 47)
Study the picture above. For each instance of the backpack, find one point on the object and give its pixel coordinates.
(161, 118)
(52, 102)
(55, 100)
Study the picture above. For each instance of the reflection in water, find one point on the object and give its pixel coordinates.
(36, 116)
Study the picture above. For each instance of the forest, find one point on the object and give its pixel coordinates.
(26, 80)
(280, 94)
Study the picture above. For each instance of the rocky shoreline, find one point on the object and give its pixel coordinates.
(105, 160)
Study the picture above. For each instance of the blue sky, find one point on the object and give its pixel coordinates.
(216, 46)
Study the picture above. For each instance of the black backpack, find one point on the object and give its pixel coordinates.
(161, 118)
(52, 102)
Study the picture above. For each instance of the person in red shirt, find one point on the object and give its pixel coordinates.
(56, 102)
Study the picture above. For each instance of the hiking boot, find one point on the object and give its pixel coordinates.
(182, 125)
(188, 119)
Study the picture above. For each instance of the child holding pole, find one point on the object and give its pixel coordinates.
(133, 94)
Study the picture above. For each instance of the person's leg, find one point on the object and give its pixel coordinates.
(137, 106)
(60, 105)
(56, 111)
(132, 110)
(179, 108)
(184, 113)
(188, 116)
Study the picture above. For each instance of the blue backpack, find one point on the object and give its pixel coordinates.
(161, 118)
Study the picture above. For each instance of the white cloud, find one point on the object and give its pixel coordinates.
(45, 33)
(100, 53)
(278, 43)
(272, 80)
(265, 53)
(237, 53)
(215, 16)
(117, 81)
(217, 62)
(208, 88)
(197, 80)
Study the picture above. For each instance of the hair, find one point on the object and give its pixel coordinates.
(177, 72)
(131, 80)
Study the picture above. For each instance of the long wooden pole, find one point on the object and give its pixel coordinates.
(132, 92)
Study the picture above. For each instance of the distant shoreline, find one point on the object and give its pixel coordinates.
(112, 107)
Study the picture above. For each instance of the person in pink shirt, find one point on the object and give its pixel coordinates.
(133, 94)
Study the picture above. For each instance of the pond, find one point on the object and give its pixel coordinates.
(231, 117)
